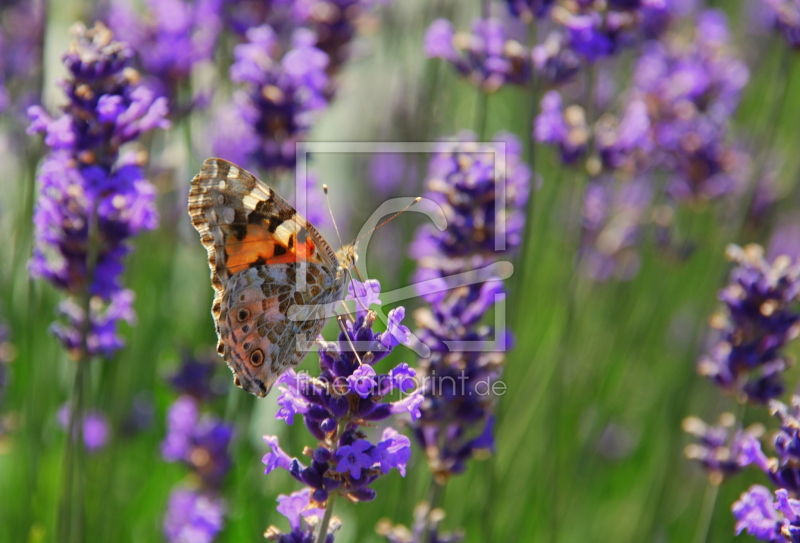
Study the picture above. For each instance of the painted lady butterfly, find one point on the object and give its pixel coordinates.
(267, 264)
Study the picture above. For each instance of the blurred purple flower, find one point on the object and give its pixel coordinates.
(193, 517)
(463, 180)
(347, 395)
(426, 528)
(199, 442)
(169, 40)
(86, 180)
(722, 450)
(762, 316)
(280, 97)
(613, 216)
(96, 428)
(785, 240)
(787, 19)
(529, 10)
(555, 62)
(196, 377)
(564, 128)
(755, 513)
(22, 28)
(488, 58)
(390, 172)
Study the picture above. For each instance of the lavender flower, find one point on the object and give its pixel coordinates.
(169, 40)
(347, 395)
(529, 10)
(460, 388)
(756, 514)
(691, 92)
(783, 471)
(22, 27)
(193, 516)
(762, 316)
(613, 216)
(426, 528)
(488, 57)
(675, 117)
(465, 179)
(303, 517)
(554, 62)
(85, 181)
(280, 98)
(459, 384)
(787, 19)
(196, 377)
(96, 428)
(566, 129)
(199, 442)
(721, 450)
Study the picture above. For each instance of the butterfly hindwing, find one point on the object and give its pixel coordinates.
(255, 242)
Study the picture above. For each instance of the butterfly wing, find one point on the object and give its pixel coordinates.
(265, 322)
(246, 227)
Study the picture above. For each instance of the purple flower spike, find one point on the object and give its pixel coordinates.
(488, 57)
(192, 516)
(279, 99)
(173, 37)
(348, 395)
(199, 442)
(762, 316)
(86, 180)
(354, 458)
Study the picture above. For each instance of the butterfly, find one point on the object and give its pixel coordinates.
(272, 272)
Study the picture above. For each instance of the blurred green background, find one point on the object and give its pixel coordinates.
(589, 439)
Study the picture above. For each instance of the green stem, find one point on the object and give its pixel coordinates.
(481, 107)
(72, 508)
(322, 535)
(435, 495)
(706, 513)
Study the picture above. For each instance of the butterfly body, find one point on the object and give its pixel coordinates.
(272, 273)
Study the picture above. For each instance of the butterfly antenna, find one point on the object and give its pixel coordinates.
(390, 219)
(330, 212)
(343, 328)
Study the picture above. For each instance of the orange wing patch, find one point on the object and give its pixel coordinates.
(261, 246)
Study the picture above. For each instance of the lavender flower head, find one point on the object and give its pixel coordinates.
(282, 94)
(193, 516)
(349, 394)
(426, 528)
(756, 513)
(613, 216)
(96, 428)
(761, 317)
(691, 91)
(460, 387)
(303, 517)
(529, 10)
(482, 191)
(85, 180)
(200, 442)
(783, 471)
(787, 19)
(722, 450)
(169, 40)
(488, 57)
